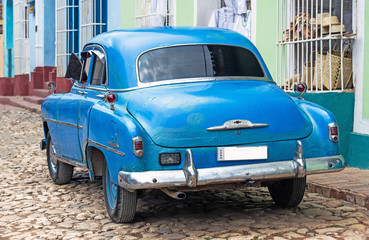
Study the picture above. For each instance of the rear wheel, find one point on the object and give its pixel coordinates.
(60, 173)
(288, 192)
(120, 203)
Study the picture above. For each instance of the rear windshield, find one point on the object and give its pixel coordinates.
(196, 61)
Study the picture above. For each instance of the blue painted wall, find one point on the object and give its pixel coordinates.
(8, 39)
(114, 15)
(49, 32)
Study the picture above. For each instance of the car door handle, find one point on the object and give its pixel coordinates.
(101, 96)
(81, 92)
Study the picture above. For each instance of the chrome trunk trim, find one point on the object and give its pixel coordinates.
(237, 124)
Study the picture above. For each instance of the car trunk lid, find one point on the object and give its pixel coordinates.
(192, 114)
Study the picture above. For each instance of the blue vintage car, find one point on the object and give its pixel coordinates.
(180, 110)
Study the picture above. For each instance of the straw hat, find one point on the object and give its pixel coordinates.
(334, 21)
(335, 29)
(321, 16)
(323, 19)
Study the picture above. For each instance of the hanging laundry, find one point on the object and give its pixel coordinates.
(243, 24)
(222, 18)
(233, 16)
(239, 6)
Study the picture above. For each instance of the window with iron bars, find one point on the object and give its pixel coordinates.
(93, 21)
(315, 42)
(67, 25)
(21, 37)
(151, 13)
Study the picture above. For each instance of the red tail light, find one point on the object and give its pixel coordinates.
(137, 146)
(333, 132)
(300, 88)
(111, 97)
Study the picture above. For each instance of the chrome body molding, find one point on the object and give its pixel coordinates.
(237, 124)
(70, 161)
(106, 148)
(62, 123)
(191, 177)
(114, 144)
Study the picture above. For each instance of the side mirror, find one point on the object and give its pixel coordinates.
(51, 86)
(74, 68)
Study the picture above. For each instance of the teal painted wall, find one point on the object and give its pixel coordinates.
(185, 12)
(8, 39)
(128, 10)
(266, 31)
(359, 151)
(341, 104)
(366, 68)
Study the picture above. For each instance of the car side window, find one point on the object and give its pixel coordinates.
(85, 68)
(99, 72)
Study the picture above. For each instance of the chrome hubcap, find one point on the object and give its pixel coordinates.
(53, 160)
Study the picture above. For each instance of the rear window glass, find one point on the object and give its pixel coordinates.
(196, 61)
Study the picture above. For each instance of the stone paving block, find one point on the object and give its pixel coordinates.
(360, 199)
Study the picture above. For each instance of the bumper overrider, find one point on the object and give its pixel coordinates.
(191, 177)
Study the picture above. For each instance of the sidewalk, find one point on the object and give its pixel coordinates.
(351, 185)
(30, 103)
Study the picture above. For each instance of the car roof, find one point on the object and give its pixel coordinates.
(122, 47)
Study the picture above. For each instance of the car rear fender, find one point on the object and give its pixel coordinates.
(317, 144)
(111, 131)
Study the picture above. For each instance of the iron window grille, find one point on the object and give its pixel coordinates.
(67, 24)
(93, 19)
(315, 42)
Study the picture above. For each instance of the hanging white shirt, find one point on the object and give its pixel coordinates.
(222, 18)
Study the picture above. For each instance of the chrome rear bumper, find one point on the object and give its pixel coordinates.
(189, 176)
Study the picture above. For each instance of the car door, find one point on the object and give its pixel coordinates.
(94, 91)
(68, 108)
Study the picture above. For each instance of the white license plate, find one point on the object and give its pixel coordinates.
(242, 153)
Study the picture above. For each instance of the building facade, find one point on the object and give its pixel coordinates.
(40, 35)
(324, 43)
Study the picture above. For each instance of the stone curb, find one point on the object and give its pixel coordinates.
(18, 102)
(346, 195)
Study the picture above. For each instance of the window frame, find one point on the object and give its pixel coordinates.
(21, 37)
(88, 85)
(65, 14)
(96, 20)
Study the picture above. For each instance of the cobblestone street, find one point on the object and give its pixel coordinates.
(32, 207)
